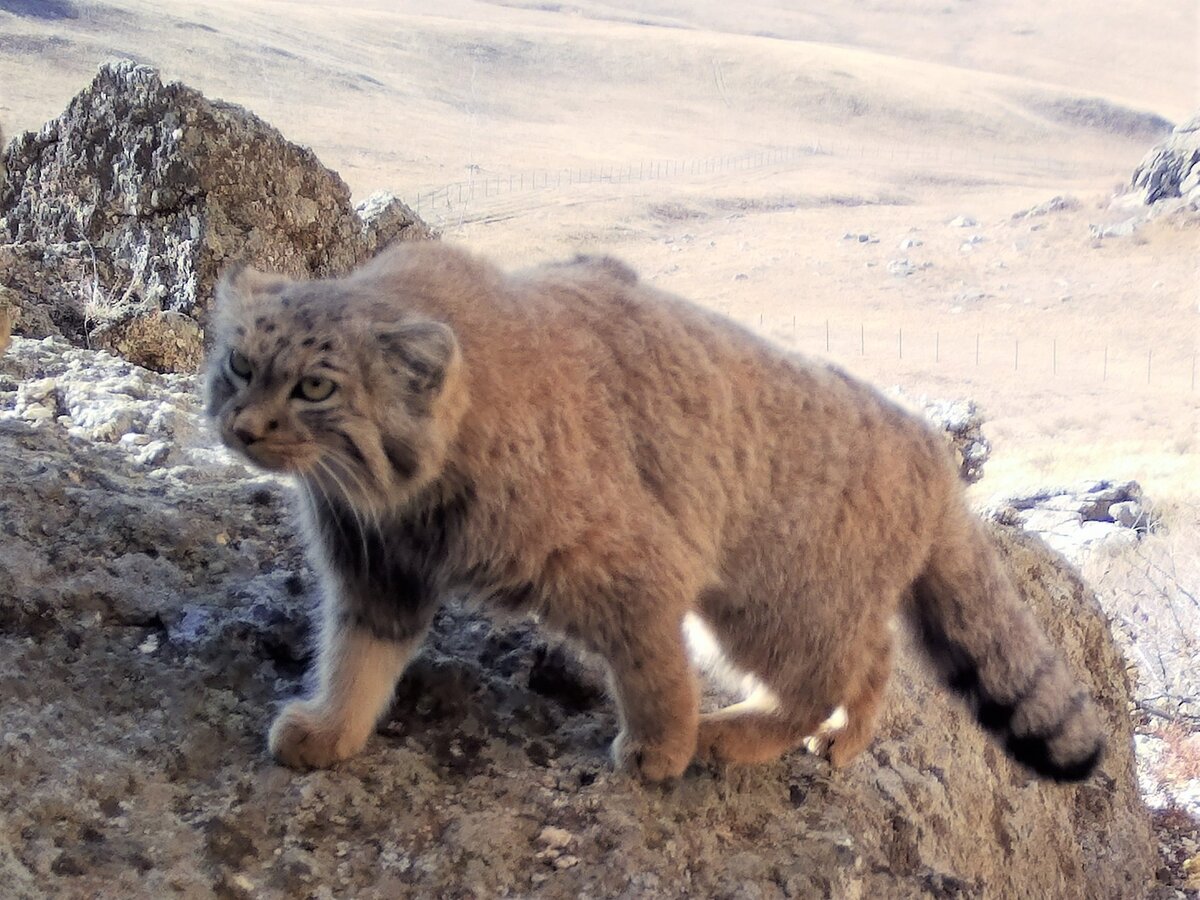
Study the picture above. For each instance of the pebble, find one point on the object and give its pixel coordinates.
(555, 838)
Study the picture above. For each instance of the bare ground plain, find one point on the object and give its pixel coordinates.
(884, 119)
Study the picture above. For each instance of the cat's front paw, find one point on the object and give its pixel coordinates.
(650, 761)
(304, 737)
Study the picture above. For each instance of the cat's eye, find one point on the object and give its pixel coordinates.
(239, 365)
(314, 388)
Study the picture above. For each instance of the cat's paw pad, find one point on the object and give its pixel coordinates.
(650, 762)
(302, 738)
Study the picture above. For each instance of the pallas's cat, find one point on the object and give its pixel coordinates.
(572, 443)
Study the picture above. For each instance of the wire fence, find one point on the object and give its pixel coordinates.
(926, 347)
(483, 195)
(476, 196)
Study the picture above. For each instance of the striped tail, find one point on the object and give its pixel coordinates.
(988, 648)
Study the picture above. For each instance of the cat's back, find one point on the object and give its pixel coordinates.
(591, 329)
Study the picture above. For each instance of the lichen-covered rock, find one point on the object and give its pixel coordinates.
(140, 193)
(387, 219)
(1081, 519)
(153, 609)
(962, 424)
(1172, 168)
(8, 314)
(55, 289)
(161, 341)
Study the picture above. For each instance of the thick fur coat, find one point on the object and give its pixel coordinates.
(572, 443)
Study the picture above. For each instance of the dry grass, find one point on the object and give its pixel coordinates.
(1152, 592)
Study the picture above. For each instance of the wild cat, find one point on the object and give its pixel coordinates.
(572, 443)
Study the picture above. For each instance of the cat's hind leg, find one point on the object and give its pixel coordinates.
(639, 634)
(863, 699)
(756, 730)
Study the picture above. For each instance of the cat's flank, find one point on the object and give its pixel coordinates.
(569, 442)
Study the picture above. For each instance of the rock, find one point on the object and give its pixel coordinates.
(153, 612)
(1128, 514)
(971, 296)
(901, 267)
(161, 341)
(57, 289)
(121, 213)
(387, 219)
(962, 222)
(1117, 229)
(1055, 204)
(1172, 167)
(962, 423)
(1080, 520)
(909, 242)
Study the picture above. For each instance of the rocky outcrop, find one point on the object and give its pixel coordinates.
(387, 219)
(153, 610)
(962, 424)
(1082, 518)
(1172, 168)
(128, 205)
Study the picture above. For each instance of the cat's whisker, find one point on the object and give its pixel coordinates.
(329, 479)
(365, 505)
(364, 498)
(348, 502)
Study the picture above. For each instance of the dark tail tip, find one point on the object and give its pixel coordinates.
(1034, 753)
(1067, 751)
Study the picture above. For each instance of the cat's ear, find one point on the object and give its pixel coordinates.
(424, 349)
(241, 282)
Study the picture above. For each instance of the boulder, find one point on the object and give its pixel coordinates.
(387, 219)
(154, 602)
(961, 422)
(130, 204)
(1081, 519)
(1172, 168)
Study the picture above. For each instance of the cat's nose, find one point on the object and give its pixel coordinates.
(245, 435)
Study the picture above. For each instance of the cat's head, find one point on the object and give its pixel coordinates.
(322, 380)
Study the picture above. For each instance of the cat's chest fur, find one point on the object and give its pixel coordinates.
(419, 554)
